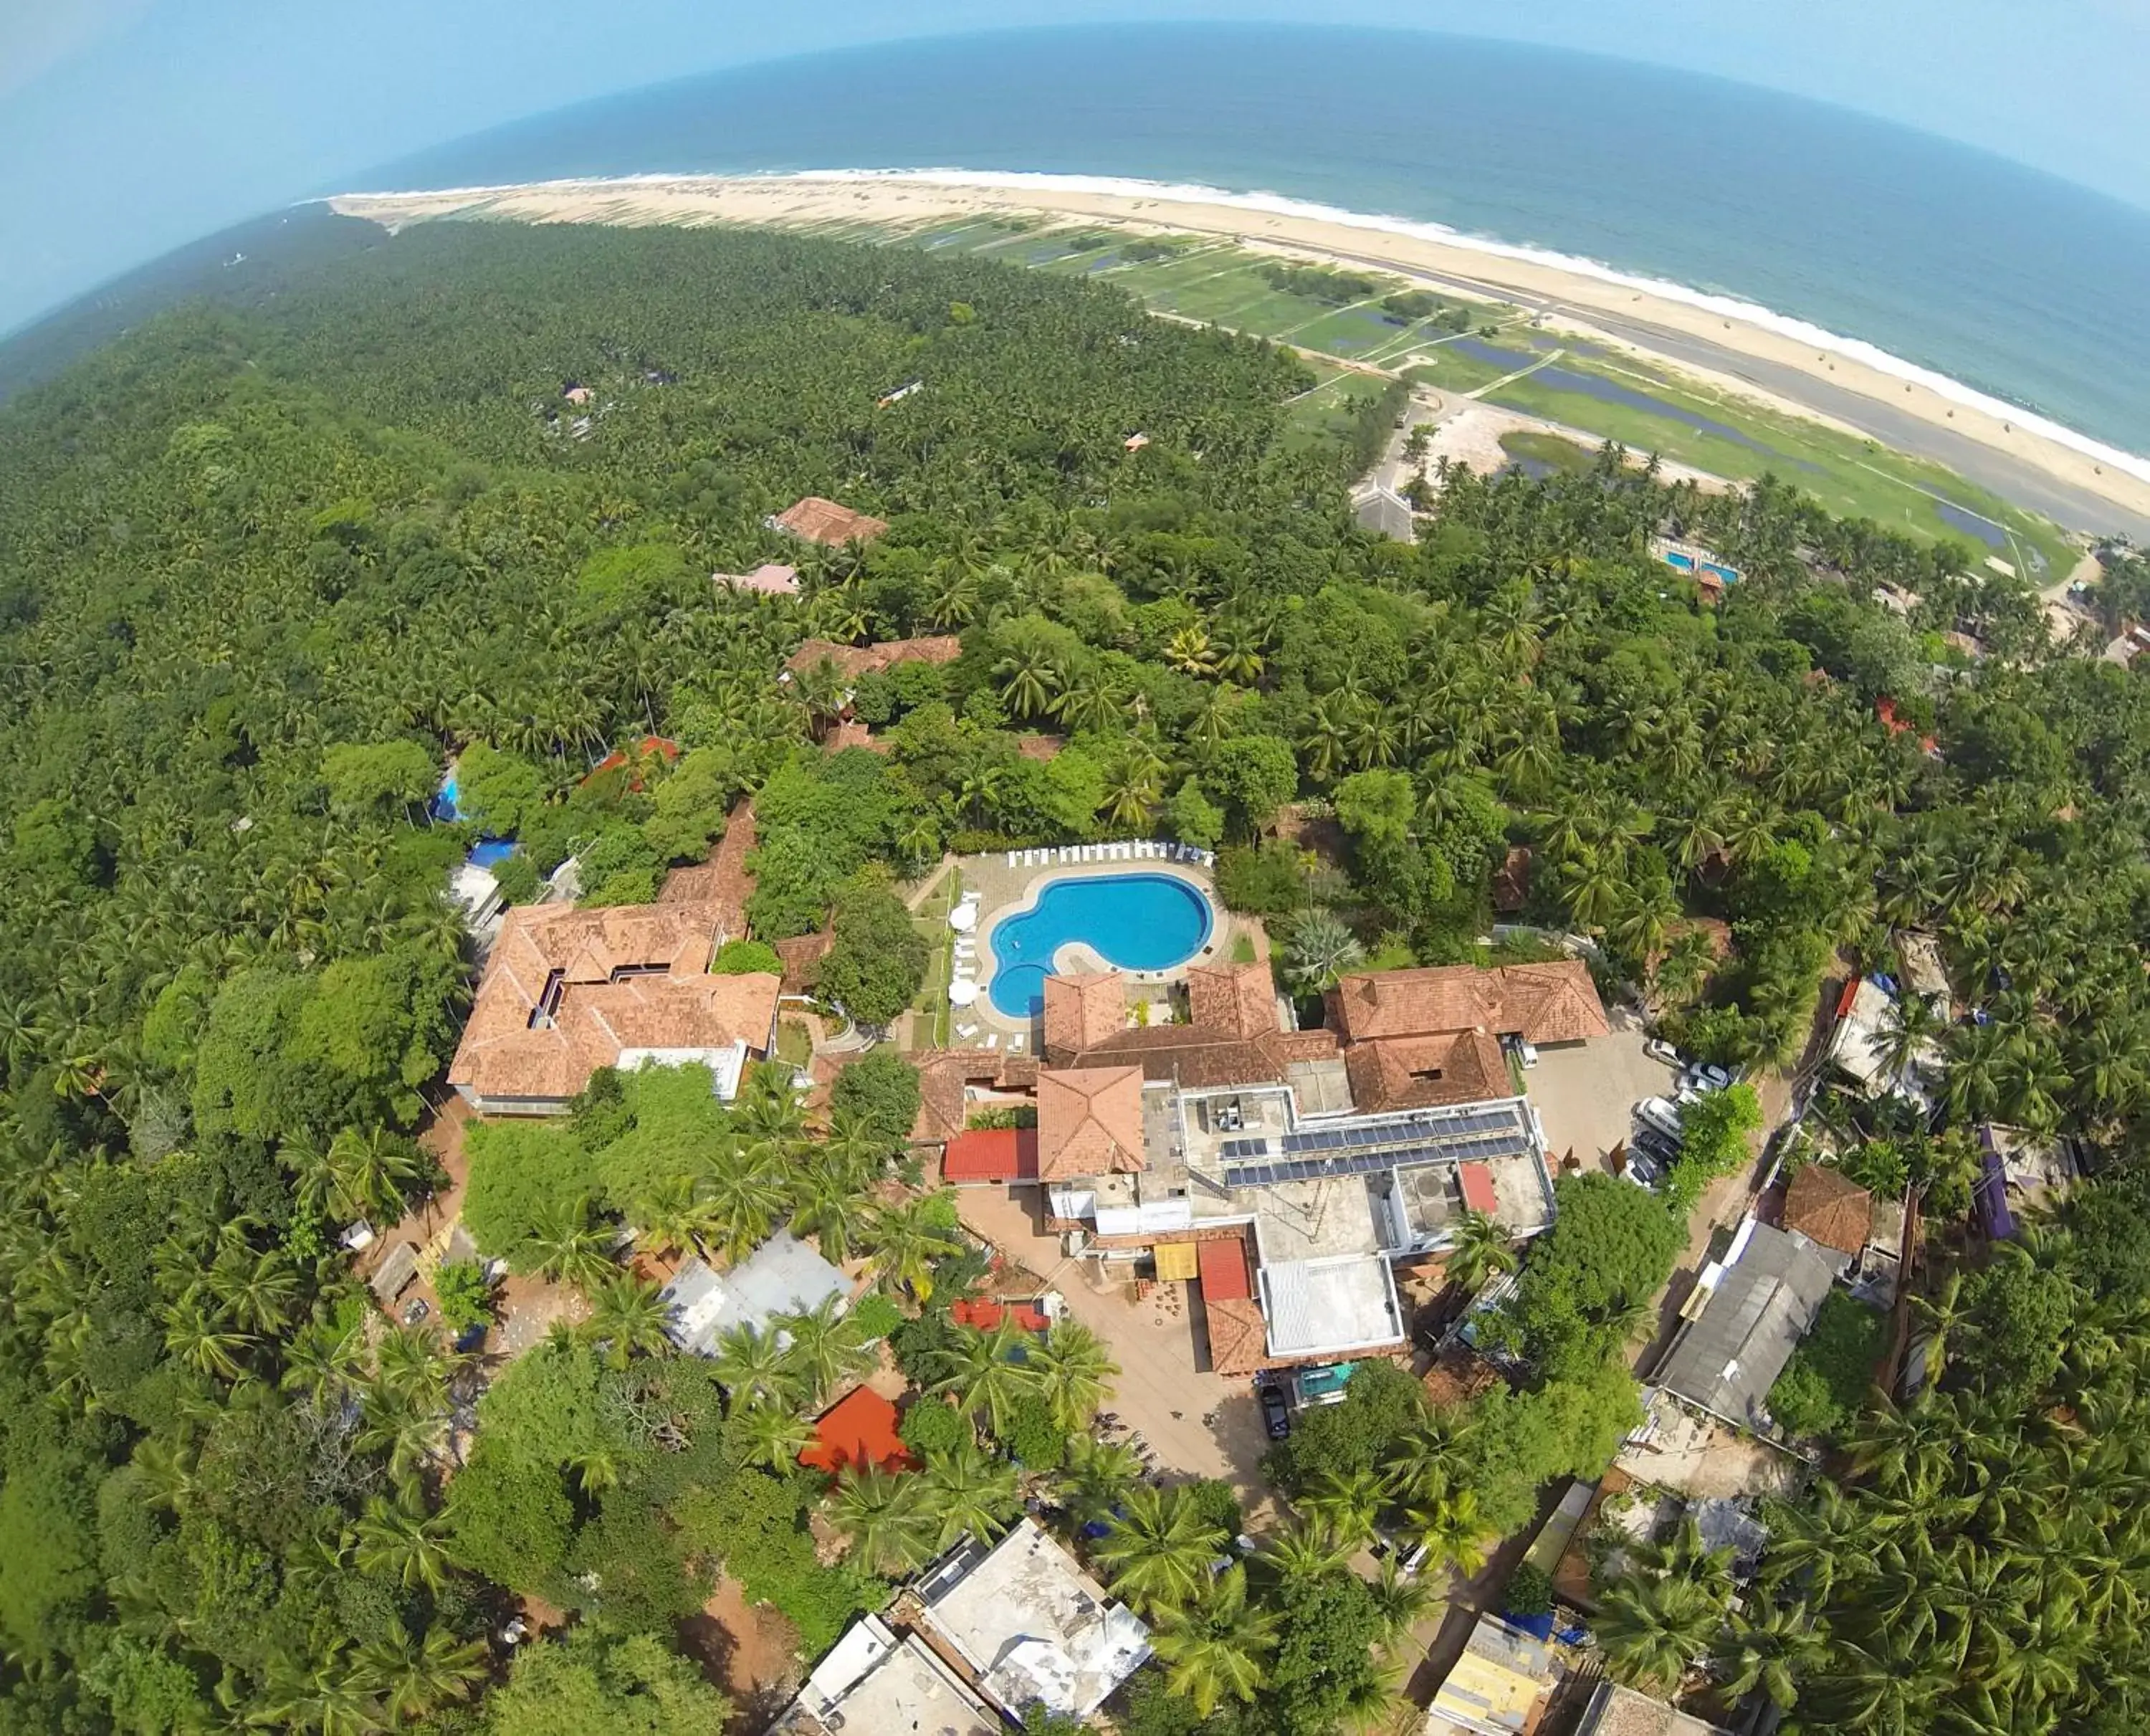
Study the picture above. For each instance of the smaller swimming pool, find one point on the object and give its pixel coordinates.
(491, 852)
(1135, 921)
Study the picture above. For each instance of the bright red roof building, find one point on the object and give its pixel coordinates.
(1476, 1181)
(858, 1430)
(986, 1313)
(1222, 1264)
(990, 1154)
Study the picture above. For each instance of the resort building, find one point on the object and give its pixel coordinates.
(769, 579)
(1292, 1168)
(1761, 1301)
(783, 1276)
(850, 662)
(567, 992)
(985, 1633)
(816, 520)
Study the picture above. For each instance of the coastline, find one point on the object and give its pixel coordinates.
(2079, 483)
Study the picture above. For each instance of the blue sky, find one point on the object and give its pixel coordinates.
(128, 127)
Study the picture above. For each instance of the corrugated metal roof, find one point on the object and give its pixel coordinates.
(1728, 1356)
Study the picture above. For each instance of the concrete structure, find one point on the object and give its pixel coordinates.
(1617, 1711)
(992, 1631)
(1496, 1685)
(784, 1276)
(1759, 1307)
(873, 1679)
(567, 992)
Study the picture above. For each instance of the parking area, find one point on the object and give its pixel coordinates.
(1585, 1094)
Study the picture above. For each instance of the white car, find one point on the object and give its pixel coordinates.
(1658, 1049)
(1656, 1112)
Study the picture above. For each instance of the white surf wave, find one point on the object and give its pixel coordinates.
(1728, 307)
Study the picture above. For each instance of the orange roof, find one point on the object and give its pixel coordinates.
(1476, 1181)
(986, 1313)
(851, 662)
(723, 881)
(859, 1430)
(945, 1078)
(1827, 1207)
(825, 522)
(1222, 1262)
(1555, 1002)
(1089, 1121)
(664, 748)
(1511, 879)
(1418, 1073)
(1081, 1009)
(990, 1154)
(1240, 999)
(769, 579)
(1239, 1336)
(568, 991)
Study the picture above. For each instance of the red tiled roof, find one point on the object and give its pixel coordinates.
(825, 522)
(1222, 1265)
(1082, 1008)
(1239, 1336)
(985, 1314)
(723, 881)
(1240, 999)
(943, 1076)
(1419, 1072)
(666, 749)
(859, 1430)
(769, 579)
(1089, 1121)
(990, 1154)
(1554, 1003)
(851, 662)
(1827, 1207)
(1476, 1181)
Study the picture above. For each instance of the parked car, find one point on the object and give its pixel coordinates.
(1276, 1415)
(1658, 1049)
(1524, 1050)
(1712, 1075)
(1660, 1112)
(1661, 1150)
(1642, 1168)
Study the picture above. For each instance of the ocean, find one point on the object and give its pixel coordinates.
(2020, 286)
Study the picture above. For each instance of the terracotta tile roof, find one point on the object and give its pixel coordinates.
(1239, 1336)
(723, 881)
(1555, 1002)
(990, 1154)
(859, 1430)
(1827, 1207)
(1089, 1121)
(1222, 1264)
(802, 955)
(852, 734)
(1418, 1073)
(986, 1313)
(1512, 881)
(825, 522)
(1240, 999)
(851, 662)
(769, 580)
(1456, 1378)
(943, 1074)
(567, 991)
(1082, 1008)
(1041, 748)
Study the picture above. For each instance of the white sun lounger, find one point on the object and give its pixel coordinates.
(1011, 858)
(967, 1030)
(993, 1040)
(1015, 1042)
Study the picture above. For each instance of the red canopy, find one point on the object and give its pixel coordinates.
(857, 1430)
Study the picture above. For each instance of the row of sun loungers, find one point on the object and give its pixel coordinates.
(1138, 852)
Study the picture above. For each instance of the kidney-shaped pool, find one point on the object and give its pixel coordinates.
(1137, 921)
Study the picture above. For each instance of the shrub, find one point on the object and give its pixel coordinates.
(1530, 1591)
(931, 1427)
(882, 1087)
(1825, 1382)
(875, 1317)
(465, 1294)
(1213, 1500)
(743, 958)
(1031, 1436)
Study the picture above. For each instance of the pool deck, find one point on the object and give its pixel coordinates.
(1005, 891)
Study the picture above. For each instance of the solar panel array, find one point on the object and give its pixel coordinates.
(1312, 1154)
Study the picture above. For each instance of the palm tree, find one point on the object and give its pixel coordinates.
(203, 1340)
(673, 1218)
(1215, 1643)
(1307, 1551)
(1321, 947)
(770, 1436)
(972, 1492)
(829, 1207)
(987, 1371)
(746, 1198)
(1191, 653)
(1480, 1248)
(1404, 1600)
(333, 1698)
(754, 1367)
(1654, 1631)
(1158, 1549)
(1099, 1476)
(1453, 1531)
(394, 1539)
(888, 1517)
(1423, 1465)
(1347, 1502)
(905, 1242)
(416, 1677)
(1771, 1652)
(825, 1348)
(1075, 1372)
(568, 1247)
(629, 1316)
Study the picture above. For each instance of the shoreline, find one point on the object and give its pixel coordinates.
(2080, 482)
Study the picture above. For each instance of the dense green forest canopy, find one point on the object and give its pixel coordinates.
(264, 571)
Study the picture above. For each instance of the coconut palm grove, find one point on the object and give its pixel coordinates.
(276, 558)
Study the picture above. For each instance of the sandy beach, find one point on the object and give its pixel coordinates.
(2092, 491)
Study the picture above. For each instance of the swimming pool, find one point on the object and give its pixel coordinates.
(1136, 921)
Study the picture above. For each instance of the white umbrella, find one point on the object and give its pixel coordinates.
(963, 918)
(962, 992)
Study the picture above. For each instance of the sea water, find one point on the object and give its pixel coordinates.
(2023, 287)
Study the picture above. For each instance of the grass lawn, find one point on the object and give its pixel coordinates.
(1529, 445)
(930, 920)
(794, 1046)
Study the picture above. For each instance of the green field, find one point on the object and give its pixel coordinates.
(1223, 284)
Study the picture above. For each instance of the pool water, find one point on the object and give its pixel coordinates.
(1135, 921)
